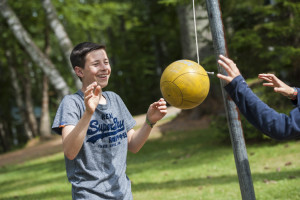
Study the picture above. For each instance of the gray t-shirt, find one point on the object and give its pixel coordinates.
(99, 169)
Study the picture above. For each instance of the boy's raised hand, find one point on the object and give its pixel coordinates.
(277, 84)
(157, 110)
(92, 96)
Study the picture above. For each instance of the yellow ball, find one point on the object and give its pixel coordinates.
(184, 84)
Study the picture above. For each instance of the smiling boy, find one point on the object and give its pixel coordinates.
(97, 129)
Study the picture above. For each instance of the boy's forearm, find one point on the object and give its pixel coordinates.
(73, 137)
(137, 139)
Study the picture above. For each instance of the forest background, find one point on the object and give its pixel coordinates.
(142, 38)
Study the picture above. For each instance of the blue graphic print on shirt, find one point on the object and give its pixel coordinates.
(102, 130)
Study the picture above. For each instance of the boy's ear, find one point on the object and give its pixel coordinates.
(78, 71)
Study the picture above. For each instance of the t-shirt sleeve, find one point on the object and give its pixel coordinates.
(68, 113)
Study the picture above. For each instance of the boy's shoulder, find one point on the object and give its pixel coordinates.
(76, 98)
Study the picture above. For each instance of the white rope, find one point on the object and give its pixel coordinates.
(196, 37)
(197, 49)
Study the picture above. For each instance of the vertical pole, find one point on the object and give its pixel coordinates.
(233, 118)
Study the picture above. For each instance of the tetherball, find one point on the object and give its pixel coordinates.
(184, 84)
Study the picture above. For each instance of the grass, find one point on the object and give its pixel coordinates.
(180, 165)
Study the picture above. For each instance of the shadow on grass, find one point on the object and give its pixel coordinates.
(218, 180)
(21, 177)
(178, 148)
(41, 195)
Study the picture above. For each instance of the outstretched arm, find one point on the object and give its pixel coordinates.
(136, 139)
(274, 124)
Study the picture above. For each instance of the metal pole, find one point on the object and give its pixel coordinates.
(233, 118)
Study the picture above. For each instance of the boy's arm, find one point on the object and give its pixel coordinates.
(73, 136)
(136, 139)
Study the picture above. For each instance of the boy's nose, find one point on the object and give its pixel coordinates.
(104, 67)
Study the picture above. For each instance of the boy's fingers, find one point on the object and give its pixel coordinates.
(163, 111)
(162, 107)
(87, 97)
(88, 90)
(97, 90)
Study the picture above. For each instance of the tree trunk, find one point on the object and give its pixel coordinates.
(3, 140)
(45, 129)
(35, 53)
(62, 36)
(29, 107)
(18, 96)
(185, 16)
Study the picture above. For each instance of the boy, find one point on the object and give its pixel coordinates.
(97, 129)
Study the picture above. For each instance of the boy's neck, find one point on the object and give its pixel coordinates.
(102, 100)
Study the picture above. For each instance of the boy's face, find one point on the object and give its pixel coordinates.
(97, 68)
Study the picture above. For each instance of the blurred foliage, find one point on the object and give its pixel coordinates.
(142, 38)
(263, 37)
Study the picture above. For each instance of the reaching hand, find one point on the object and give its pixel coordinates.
(277, 84)
(157, 111)
(230, 68)
(92, 96)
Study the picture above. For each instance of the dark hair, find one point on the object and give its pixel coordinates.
(79, 52)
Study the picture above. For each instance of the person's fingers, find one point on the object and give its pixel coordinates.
(268, 84)
(90, 88)
(225, 78)
(163, 111)
(267, 79)
(97, 90)
(87, 97)
(224, 65)
(162, 107)
(88, 91)
(228, 61)
(227, 69)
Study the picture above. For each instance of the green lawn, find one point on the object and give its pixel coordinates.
(179, 165)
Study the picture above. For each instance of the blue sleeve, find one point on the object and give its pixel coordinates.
(260, 115)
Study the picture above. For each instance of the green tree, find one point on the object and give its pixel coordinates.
(263, 37)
